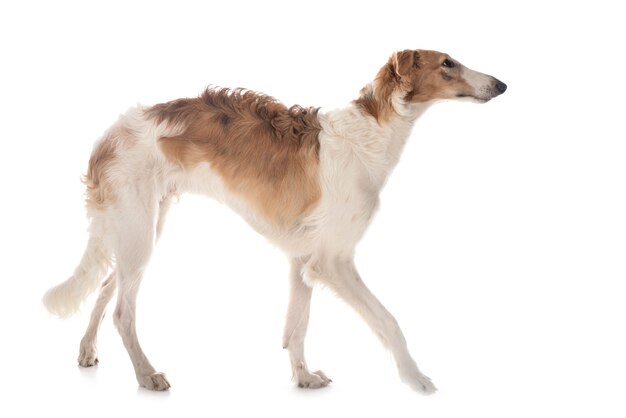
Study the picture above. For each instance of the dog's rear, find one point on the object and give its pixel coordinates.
(65, 299)
(120, 200)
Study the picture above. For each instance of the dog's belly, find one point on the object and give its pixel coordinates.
(335, 224)
(296, 239)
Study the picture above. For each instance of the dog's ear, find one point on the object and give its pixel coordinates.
(403, 63)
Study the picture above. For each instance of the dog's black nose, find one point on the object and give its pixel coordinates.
(500, 86)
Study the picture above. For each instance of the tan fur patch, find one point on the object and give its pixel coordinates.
(417, 75)
(99, 193)
(99, 178)
(431, 81)
(375, 98)
(264, 152)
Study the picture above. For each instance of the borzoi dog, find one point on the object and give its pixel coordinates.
(308, 180)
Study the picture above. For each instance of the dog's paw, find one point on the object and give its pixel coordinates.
(313, 380)
(421, 383)
(154, 381)
(88, 355)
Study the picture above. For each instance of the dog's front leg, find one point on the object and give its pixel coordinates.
(340, 274)
(296, 327)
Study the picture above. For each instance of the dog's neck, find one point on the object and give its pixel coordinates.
(377, 145)
(397, 129)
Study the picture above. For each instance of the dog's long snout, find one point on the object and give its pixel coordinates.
(485, 87)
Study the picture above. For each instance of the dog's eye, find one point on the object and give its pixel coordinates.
(448, 63)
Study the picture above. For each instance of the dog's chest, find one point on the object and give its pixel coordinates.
(346, 210)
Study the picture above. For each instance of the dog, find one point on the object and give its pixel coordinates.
(308, 180)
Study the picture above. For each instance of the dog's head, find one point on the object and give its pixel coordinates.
(421, 76)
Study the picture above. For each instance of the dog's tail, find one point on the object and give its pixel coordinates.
(65, 299)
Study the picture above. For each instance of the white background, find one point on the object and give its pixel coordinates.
(499, 246)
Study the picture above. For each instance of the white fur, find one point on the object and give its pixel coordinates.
(65, 298)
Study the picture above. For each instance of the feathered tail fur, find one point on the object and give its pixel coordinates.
(65, 299)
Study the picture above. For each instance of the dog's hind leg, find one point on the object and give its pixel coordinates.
(135, 231)
(342, 277)
(88, 355)
(296, 327)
